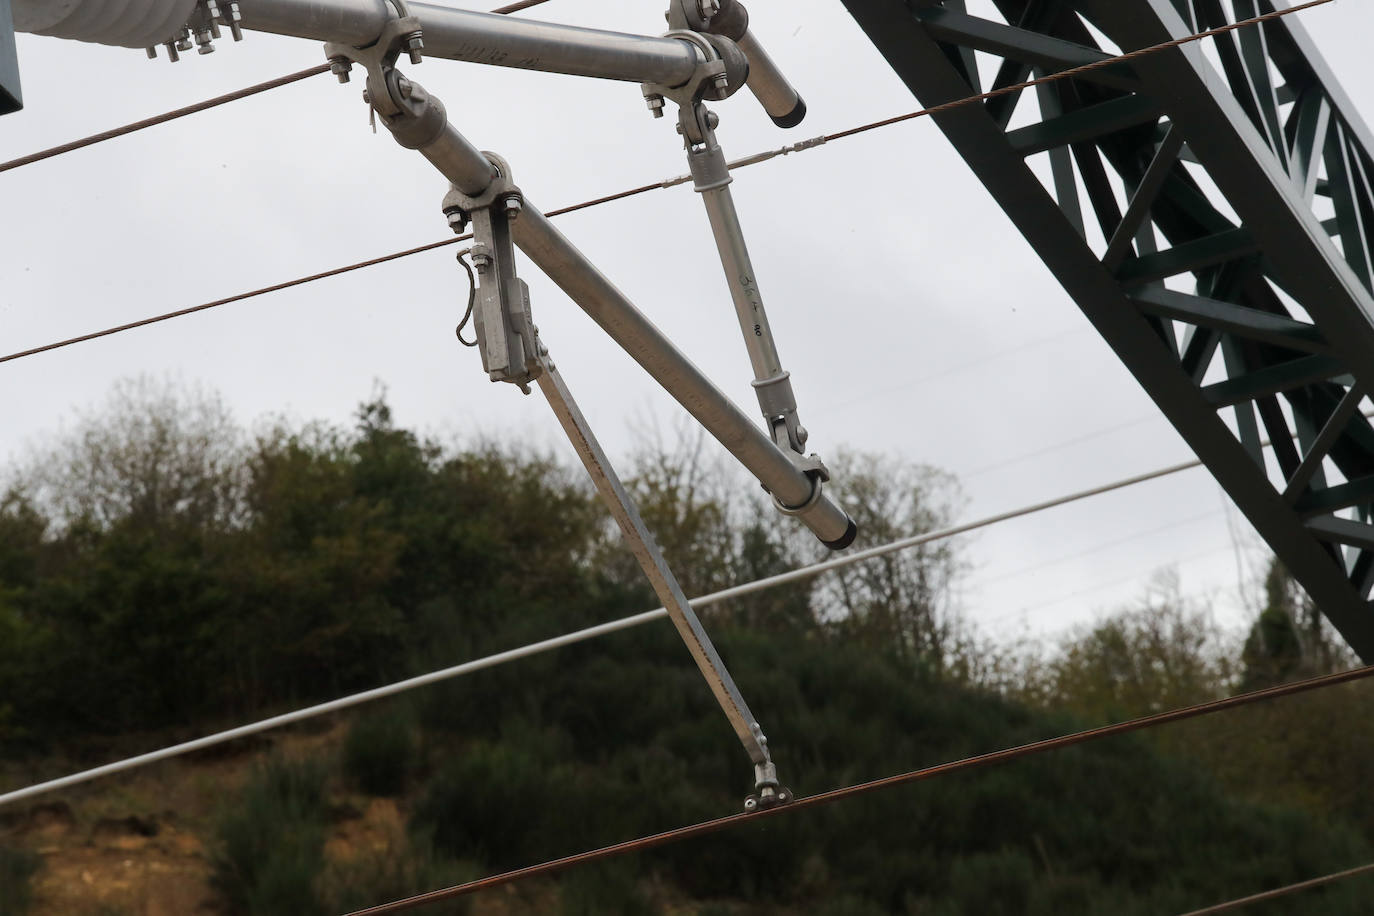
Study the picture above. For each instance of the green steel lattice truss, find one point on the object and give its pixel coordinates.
(1209, 208)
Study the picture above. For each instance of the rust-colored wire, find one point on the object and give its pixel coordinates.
(198, 107)
(1283, 891)
(517, 7)
(825, 798)
(643, 189)
(300, 281)
(165, 117)
(1079, 71)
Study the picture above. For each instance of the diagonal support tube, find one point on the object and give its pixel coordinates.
(642, 545)
(588, 287)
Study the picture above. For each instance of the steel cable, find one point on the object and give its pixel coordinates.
(198, 107)
(1278, 892)
(567, 639)
(824, 798)
(754, 159)
(624, 623)
(517, 7)
(165, 117)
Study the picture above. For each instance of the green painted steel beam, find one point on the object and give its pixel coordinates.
(11, 99)
(1334, 499)
(1219, 196)
(1189, 257)
(1085, 124)
(1230, 318)
(1052, 55)
(1343, 531)
(1275, 379)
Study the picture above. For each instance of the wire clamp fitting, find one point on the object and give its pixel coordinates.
(768, 792)
(499, 306)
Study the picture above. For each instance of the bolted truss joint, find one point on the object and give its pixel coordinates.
(507, 337)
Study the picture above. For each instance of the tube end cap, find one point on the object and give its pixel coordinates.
(846, 539)
(793, 117)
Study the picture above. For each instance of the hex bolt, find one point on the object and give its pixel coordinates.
(655, 103)
(341, 67)
(172, 54)
(457, 220)
(152, 52)
(513, 208)
(234, 18)
(415, 45)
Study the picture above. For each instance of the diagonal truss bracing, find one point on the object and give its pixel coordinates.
(1210, 208)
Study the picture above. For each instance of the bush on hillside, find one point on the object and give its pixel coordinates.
(269, 849)
(17, 868)
(380, 750)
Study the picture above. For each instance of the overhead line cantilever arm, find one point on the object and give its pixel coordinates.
(485, 38)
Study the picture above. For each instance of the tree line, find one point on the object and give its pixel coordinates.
(164, 572)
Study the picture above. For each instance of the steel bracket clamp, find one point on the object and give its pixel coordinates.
(386, 90)
(507, 338)
(721, 72)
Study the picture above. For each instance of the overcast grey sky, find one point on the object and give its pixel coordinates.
(914, 319)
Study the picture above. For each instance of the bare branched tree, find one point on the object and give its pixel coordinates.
(903, 602)
(157, 450)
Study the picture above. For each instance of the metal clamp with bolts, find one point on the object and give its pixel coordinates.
(202, 28)
(507, 337)
(711, 179)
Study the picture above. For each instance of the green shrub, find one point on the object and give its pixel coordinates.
(610, 888)
(379, 753)
(17, 868)
(270, 842)
(412, 868)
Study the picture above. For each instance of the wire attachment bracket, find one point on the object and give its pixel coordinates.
(507, 337)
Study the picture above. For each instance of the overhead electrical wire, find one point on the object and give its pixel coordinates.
(824, 798)
(739, 591)
(517, 7)
(198, 107)
(673, 182)
(624, 623)
(173, 115)
(1278, 892)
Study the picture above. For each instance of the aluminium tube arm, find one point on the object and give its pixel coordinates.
(485, 38)
(422, 124)
(777, 96)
